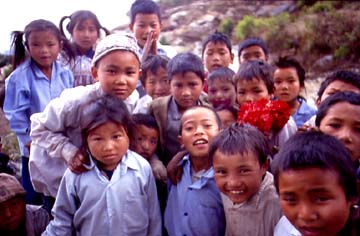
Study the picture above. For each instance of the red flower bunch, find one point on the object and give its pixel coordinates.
(266, 115)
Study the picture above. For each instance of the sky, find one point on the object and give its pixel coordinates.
(18, 13)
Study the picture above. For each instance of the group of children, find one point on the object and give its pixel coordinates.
(151, 144)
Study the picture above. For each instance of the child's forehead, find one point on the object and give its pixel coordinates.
(156, 71)
(216, 43)
(252, 47)
(198, 114)
(146, 129)
(188, 76)
(146, 17)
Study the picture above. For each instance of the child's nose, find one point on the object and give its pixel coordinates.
(306, 213)
(345, 135)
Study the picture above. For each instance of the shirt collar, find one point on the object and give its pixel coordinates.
(206, 176)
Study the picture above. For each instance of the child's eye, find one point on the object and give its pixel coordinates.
(153, 141)
(188, 128)
(289, 200)
(130, 72)
(192, 84)
(244, 171)
(321, 199)
(241, 92)
(220, 172)
(334, 125)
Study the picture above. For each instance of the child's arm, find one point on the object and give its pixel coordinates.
(174, 170)
(150, 46)
(158, 168)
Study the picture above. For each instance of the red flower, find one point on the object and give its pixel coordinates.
(266, 115)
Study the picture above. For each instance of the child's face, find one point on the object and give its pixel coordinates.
(226, 117)
(314, 201)
(337, 86)
(238, 176)
(287, 84)
(216, 55)
(108, 143)
(157, 85)
(85, 35)
(143, 25)
(252, 53)
(118, 73)
(44, 48)
(251, 91)
(144, 141)
(343, 122)
(12, 214)
(199, 127)
(221, 92)
(186, 89)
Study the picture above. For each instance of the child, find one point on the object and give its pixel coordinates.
(194, 205)
(289, 78)
(254, 82)
(154, 79)
(316, 183)
(17, 217)
(84, 28)
(253, 49)
(239, 155)
(145, 23)
(186, 75)
(117, 195)
(216, 51)
(221, 87)
(339, 116)
(228, 115)
(36, 80)
(338, 81)
(55, 132)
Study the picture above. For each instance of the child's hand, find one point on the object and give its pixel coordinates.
(76, 163)
(305, 128)
(150, 46)
(28, 145)
(174, 170)
(158, 169)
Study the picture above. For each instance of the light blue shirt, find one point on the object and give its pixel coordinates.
(28, 91)
(304, 113)
(194, 208)
(91, 204)
(285, 228)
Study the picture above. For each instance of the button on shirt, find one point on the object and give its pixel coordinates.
(194, 208)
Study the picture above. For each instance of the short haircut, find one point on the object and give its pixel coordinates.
(346, 76)
(256, 69)
(145, 119)
(222, 73)
(241, 138)
(212, 110)
(253, 42)
(217, 37)
(106, 108)
(289, 62)
(186, 62)
(153, 63)
(144, 7)
(349, 97)
(315, 149)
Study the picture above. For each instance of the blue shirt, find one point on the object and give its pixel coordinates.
(28, 91)
(194, 208)
(304, 113)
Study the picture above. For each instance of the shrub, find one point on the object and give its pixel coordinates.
(226, 26)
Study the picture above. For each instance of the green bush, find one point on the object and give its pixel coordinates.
(321, 6)
(226, 26)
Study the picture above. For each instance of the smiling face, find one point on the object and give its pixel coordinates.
(221, 93)
(85, 35)
(287, 84)
(251, 91)
(108, 143)
(238, 176)
(216, 55)
(314, 201)
(44, 48)
(199, 126)
(118, 73)
(343, 122)
(186, 89)
(143, 25)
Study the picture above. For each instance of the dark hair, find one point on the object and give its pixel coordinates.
(253, 42)
(241, 138)
(144, 7)
(289, 62)
(256, 69)
(186, 62)
(212, 110)
(106, 108)
(37, 26)
(145, 119)
(315, 149)
(78, 17)
(349, 97)
(231, 109)
(153, 63)
(217, 37)
(222, 73)
(346, 76)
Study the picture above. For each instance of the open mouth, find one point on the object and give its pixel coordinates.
(200, 142)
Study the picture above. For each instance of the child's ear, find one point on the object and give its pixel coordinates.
(94, 73)
(180, 140)
(232, 57)
(131, 27)
(265, 166)
(317, 102)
